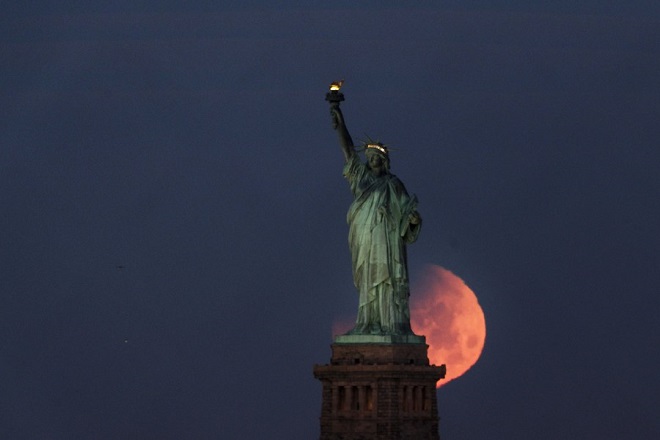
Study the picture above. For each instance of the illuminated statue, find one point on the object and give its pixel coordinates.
(382, 219)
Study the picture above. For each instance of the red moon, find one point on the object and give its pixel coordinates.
(447, 312)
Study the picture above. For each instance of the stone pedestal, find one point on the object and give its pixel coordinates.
(379, 391)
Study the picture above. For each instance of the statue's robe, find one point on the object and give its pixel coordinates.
(379, 230)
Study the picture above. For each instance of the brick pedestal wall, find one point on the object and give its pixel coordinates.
(379, 392)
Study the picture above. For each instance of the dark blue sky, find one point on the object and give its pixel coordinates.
(173, 249)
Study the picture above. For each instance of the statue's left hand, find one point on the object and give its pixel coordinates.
(414, 218)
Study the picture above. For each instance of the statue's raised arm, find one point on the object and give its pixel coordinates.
(345, 139)
(334, 97)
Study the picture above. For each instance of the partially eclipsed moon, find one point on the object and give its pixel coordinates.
(447, 312)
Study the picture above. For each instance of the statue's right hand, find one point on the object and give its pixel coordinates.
(336, 115)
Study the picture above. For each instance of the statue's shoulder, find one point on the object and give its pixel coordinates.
(397, 185)
(354, 168)
(394, 180)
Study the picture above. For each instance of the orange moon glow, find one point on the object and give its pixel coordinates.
(447, 312)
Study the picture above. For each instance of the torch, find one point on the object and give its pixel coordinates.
(334, 96)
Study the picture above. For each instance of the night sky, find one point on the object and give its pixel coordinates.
(173, 246)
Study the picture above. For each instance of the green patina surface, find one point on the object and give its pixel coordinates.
(382, 220)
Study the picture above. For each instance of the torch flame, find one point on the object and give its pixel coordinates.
(336, 85)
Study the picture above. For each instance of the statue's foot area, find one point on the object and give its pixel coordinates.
(377, 329)
(368, 329)
(355, 331)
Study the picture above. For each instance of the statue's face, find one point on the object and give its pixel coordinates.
(375, 160)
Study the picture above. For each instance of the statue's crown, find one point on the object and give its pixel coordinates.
(378, 146)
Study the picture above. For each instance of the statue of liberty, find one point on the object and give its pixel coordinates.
(382, 220)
